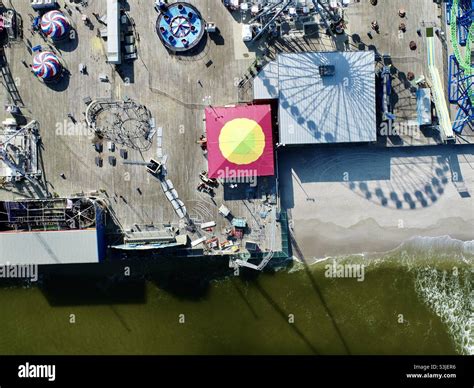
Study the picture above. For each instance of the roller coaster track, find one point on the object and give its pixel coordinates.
(464, 61)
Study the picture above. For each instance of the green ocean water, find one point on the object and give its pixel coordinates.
(296, 310)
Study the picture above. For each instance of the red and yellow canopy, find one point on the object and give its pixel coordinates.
(239, 141)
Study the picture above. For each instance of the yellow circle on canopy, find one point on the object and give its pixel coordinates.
(242, 141)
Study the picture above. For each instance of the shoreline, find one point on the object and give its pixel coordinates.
(343, 200)
(319, 240)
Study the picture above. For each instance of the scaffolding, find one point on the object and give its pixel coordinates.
(48, 214)
(19, 152)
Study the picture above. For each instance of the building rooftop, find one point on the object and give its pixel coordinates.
(321, 106)
(51, 247)
(239, 141)
(265, 84)
(113, 32)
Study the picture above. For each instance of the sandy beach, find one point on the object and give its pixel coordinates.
(367, 236)
(362, 200)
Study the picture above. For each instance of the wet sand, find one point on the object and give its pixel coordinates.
(349, 200)
(367, 236)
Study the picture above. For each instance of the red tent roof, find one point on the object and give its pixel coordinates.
(239, 141)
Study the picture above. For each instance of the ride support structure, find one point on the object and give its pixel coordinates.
(461, 69)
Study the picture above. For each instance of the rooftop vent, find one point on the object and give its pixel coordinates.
(327, 70)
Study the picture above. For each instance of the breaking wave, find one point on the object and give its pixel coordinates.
(443, 273)
(442, 245)
(449, 294)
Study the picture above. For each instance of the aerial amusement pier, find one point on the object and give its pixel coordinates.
(178, 129)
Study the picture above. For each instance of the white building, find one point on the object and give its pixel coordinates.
(324, 97)
(113, 32)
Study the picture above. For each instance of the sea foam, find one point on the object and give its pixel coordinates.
(449, 294)
(442, 279)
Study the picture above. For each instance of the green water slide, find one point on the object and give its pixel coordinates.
(464, 61)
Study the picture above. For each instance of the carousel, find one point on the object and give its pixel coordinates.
(180, 26)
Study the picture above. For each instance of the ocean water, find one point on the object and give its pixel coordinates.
(416, 299)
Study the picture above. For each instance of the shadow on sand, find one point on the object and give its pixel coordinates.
(371, 172)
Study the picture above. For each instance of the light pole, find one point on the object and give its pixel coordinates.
(208, 101)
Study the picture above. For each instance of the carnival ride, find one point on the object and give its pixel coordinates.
(180, 26)
(47, 66)
(461, 70)
(280, 17)
(55, 25)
